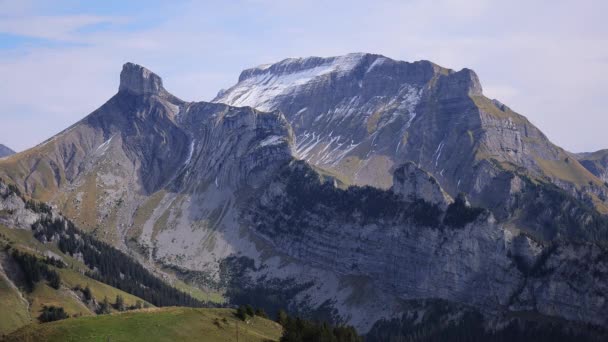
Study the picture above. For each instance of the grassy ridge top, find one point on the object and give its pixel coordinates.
(158, 324)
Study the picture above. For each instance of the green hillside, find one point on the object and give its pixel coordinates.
(14, 308)
(20, 307)
(159, 324)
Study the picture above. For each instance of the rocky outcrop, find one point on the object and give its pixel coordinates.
(13, 210)
(139, 80)
(230, 145)
(412, 182)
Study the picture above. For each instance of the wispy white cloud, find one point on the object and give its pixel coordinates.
(56, 28)
(549, 61)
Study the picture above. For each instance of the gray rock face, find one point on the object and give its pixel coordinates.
(362, 115)
(5, 151)
(139, 80)
(596, 163)
(13, 212)
(230, 146)
(483, 264)
(412, 182)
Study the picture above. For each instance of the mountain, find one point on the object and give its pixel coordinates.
(311, 203)
(5, 151)
(596, 163)
(362, 115)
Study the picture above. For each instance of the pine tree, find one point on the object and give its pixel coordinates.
(104, 307)
(261, 313)
(282, 318)
(87, 293)
(241, 313)
(52, 313)
(249, 310)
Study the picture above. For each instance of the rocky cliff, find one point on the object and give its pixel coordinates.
(362, 115)
(414, 249)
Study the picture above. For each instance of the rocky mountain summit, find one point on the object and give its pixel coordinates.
(363, 115)
(341, 187)
(5, 151)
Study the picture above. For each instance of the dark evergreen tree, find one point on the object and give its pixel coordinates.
(261, 313)
(241, 313)
(249, 310)
(301, 330)
(52, 313)
(87, 293)
(119, 303)
(35, 270)
(282, 318)
(104, 307)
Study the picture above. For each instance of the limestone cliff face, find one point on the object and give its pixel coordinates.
(483, 263)
(412, 182)
(362, 115)
(230, 145)
(13, 210)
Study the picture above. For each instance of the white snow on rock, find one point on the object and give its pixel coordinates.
(271, 140)
(103, 148)
(377, 62)
(190, 152)
(262, 88)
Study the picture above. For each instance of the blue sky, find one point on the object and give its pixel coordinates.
(60, 60)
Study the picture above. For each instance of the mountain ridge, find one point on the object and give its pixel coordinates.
(364, 120)
(249, 202)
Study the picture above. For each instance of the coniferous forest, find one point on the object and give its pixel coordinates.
(110, 265)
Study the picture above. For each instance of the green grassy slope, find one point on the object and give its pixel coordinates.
(14, 309)
(162, 324)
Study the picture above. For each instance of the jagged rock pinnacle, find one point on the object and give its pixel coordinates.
(139, 80)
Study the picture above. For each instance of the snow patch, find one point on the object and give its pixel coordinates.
(377, 62)
(190, 152)
(438, 152)
(272, 140)
(260, 91)
(103, 148)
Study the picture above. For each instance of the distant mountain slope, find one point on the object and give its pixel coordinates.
(362, 115)
(596, 163)
(166, 324)
(5, 151)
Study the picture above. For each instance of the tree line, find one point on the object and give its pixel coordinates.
(111, 266)
(36, 269)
